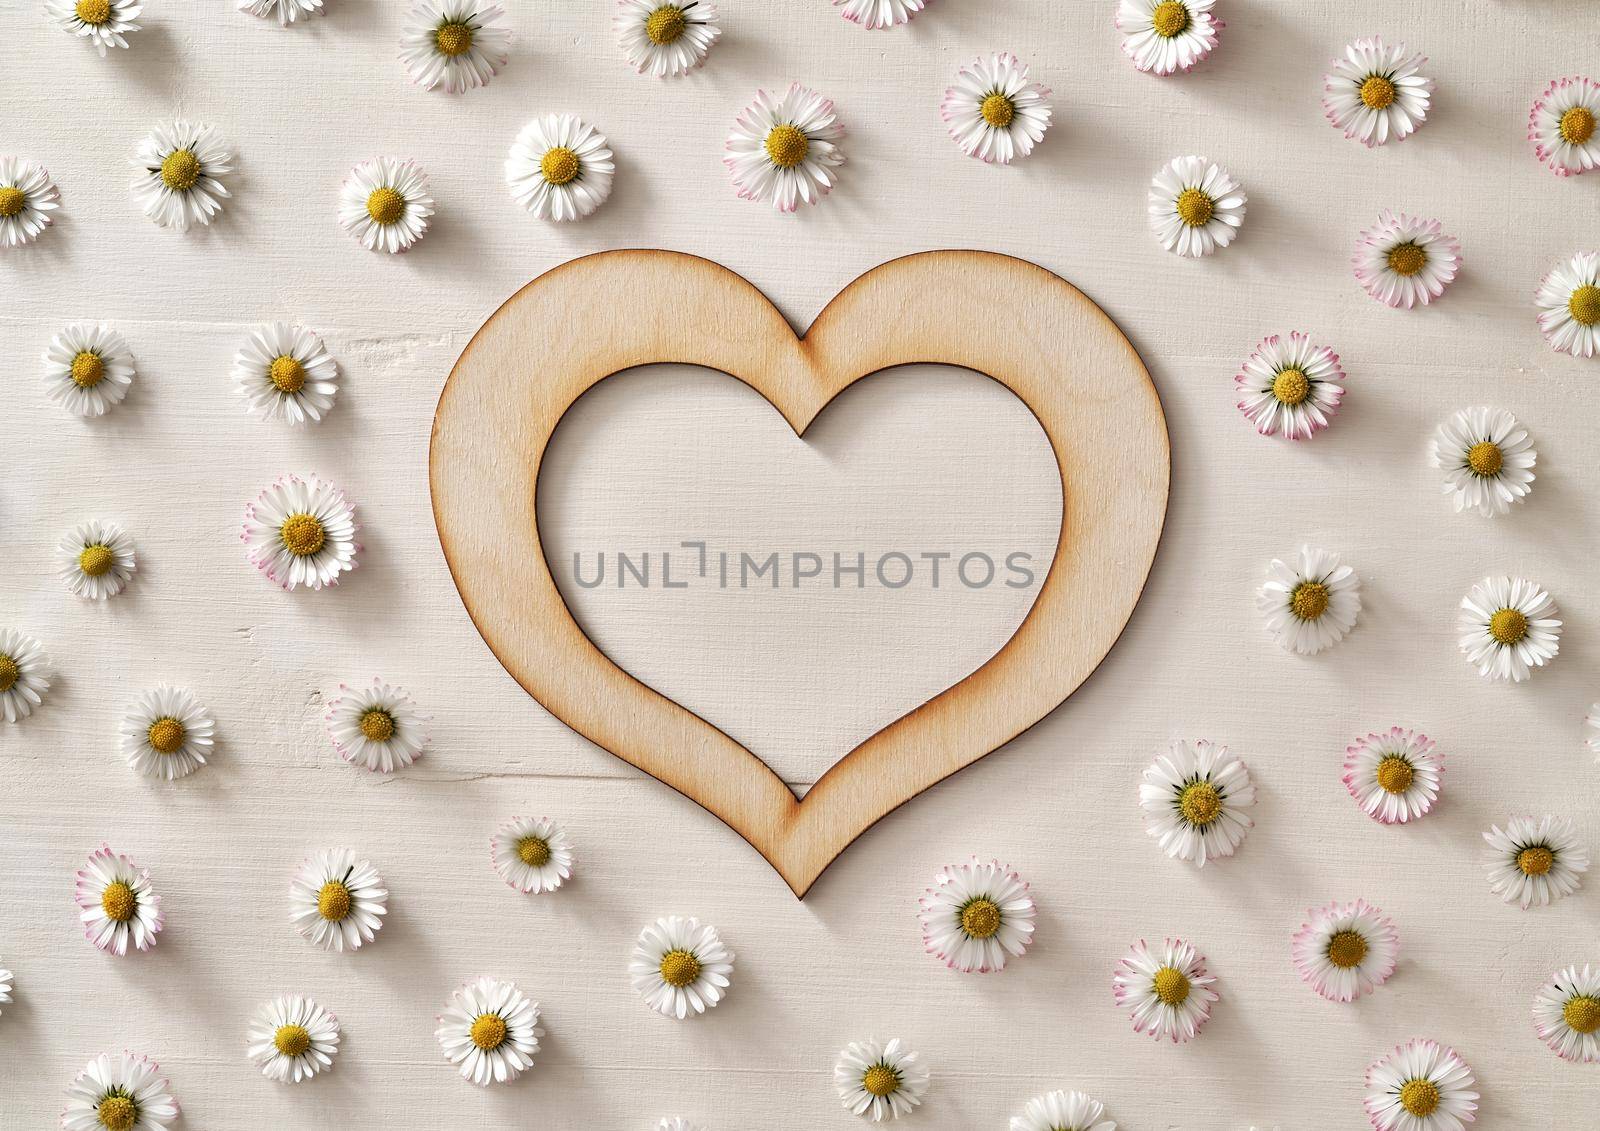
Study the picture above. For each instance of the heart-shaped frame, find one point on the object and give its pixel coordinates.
(1004, 318)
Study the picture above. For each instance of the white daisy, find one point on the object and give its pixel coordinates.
(384, 203)
(532, 854)
(27, 197)
(491, 1029)
(1163, 36)
(1374, 93)
(1406, 260)
(119, 1093)
(104, 23)
(378, 727)
(1194, 800)
(88, 368)
(1394, 777)
(25, 672)
(336, 901)
(284, 372)
(666, 38)
(97, 560)
(1487, 459)
(1562, 126)
(284, 11)
(1508, 627)
(1195, 206)
(181, 166)
(679, 966)
(1420, 1086)
(1346, 950)
(1566, 1014)
(1534, 861)
(301, 532)
(975, 915)
(875, 14)
(994, 113)
(879, 1081)
(1293, 386)
(118, 903)
(559, 168)
(1062, 1111)
(678, 1124)
(784, 148)
(167, 733)
(456, 44)
(1311, 604)
(5, 986)
(293, 1038)
(1569, 305)
(1167, 992)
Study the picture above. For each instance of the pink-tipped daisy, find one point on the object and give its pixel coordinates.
(1562, 126)
(1406, 261)
(1569, 305)
(785, 148)
(1420, 1086)
(301, 532)
(1395, 776)
(976, 915)
(1345, 950)
(1167, 992)
(27, 197)
(1164, 36)
(1292, 386)
(993, 112)
(1374, 93)
(119, 904)
(880, 13)
(1566, 1014)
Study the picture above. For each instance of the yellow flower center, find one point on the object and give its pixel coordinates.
(880, 1080)
(997, 110)
(1407, 259)
(93, 12)
(1169, 19)
(1419, 1096)
(118, 902)
(489, 1031)
(560, 165)
(1346, 949)
(87, 369)
(292, 1040)
(11, 201)
(534, 851)
(1195, 208)
(302, 534)
(1171, 986)
(981, 918)
(679, 968)
(1309, 600)
(1200, 803)
(1584, 305)
(116, 1112)
(1377, 92)
(9, 673)
(666, 24)
(1395, 774)
(787, 146)
(385, 206)
(96, 560)
(1291, 386)
(1485, 458)
(333, 901)
(1577, 125)
(166, 735)
(1582, 1014)
(377, 724)
(287, 374)
(454, 39)
(1508, 626)
(1536, 861)
(180, 170)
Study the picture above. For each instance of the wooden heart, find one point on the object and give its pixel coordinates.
(1002, 317)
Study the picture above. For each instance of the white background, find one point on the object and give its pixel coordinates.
(915, 459)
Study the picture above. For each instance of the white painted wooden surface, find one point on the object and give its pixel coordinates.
(178, 460)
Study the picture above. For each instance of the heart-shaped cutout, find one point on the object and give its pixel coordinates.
(1002, 317)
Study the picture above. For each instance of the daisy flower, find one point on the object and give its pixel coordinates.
(336, 901)
(284, 11)
(181, 166)
(879, 1081)
(104, 23)
(1311, 604)
(1195, 206)
(457, 44)
(1534, 861)
(1062, 1111)
(666, 38)
(301, 532)
(1374, 93)
(1406, 261)
(119, 905)
(1345, 950)
(293, 1038)
(1487, 459)
(1420, 1086)
(532, 854)
(385, 204)
(993, 111)
(1569, 305)
(1566, 1014)
(1394, 777)
(1508, 627)
(378, 727)
(167, 733)
(88, 368)
(783, 148)
(975, 915)
(5, 986)
(285, 373)
(27, 197)
(119, 1093)
(678, 965)
(491, 1029)
(1167, 992)
(1562, 126)
(24, 674)
(1293, 386)
(875, 14)
(97, 560)
(1194, 800)
(1163, 36)
(559, 168)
